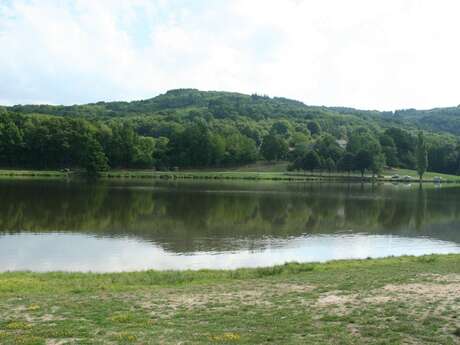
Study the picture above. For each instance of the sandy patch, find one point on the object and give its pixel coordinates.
(332, 298)
(425, 291)
(234, 295)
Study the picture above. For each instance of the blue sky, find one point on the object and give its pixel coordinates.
(362, 53)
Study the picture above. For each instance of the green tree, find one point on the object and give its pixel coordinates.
(405, 145)
(362, 139)
(217, 143)
(11, 140)
(311, 161)
(143, 152)
(281, 128)
(378, 163)
(422, 155)
(195, 146)
(274, 147)
(363, 161)
(122, 145)
(314, 128)
(390, 150)
(93, 158)
(330, 165)
(327, 147)
(347, 162)
(240, 149)
(160, 153)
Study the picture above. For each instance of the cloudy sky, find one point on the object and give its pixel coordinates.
(388, 54)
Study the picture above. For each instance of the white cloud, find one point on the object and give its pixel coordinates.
(367, 54)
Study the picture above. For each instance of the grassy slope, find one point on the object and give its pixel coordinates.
(427, 175)
(385, 301)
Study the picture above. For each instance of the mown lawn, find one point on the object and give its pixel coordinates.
(427, 175)
(407, 300)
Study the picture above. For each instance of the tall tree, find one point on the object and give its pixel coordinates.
(311, 161)
(378, 163)
(405, 145)
(347, 163)
(363, 161)
(143, 152)
(330, 165)
(390, 150)
(274, 147)
(422, 155)
(93, 158)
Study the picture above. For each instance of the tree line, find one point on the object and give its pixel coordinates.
(184, 129)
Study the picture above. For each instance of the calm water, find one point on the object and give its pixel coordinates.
(135, 225)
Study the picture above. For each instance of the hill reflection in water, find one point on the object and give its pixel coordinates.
(158, 224)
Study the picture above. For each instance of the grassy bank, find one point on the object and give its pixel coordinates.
(246, 174)
(5, 173)
(258, 171)
(387, 301)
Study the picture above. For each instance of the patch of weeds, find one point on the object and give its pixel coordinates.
(28, 340)
(127, 337)
(226, 337)
(268, 271)
(17, 325)
(33, 307)
(121, 318)
(295, 267)
(428, 259)
(457, 332)
(56, 333)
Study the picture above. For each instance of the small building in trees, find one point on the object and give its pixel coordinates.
(342, 143)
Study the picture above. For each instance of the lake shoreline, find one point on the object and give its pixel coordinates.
(227, 175)
(340, 301)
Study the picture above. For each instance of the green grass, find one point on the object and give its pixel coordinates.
(201, 175)
(275, 175)
(427, 175)
(5, 173)
(257, 171)
(386, 301)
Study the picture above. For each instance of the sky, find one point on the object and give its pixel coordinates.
(368, 54)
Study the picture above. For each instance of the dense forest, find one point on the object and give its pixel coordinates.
(188, 128)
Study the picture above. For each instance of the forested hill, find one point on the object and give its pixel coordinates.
(228, 104)
(192, 128)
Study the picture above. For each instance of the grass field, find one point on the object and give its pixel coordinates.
(427, 175)
(406, 300)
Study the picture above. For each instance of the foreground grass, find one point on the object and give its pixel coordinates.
(387, 301)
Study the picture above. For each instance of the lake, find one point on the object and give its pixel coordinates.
(110, 226)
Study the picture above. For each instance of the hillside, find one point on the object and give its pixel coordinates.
(182, 102)
(192, 128)
(228, 104)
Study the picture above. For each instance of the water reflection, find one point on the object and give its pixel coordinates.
(114, 226)
(58, 251)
